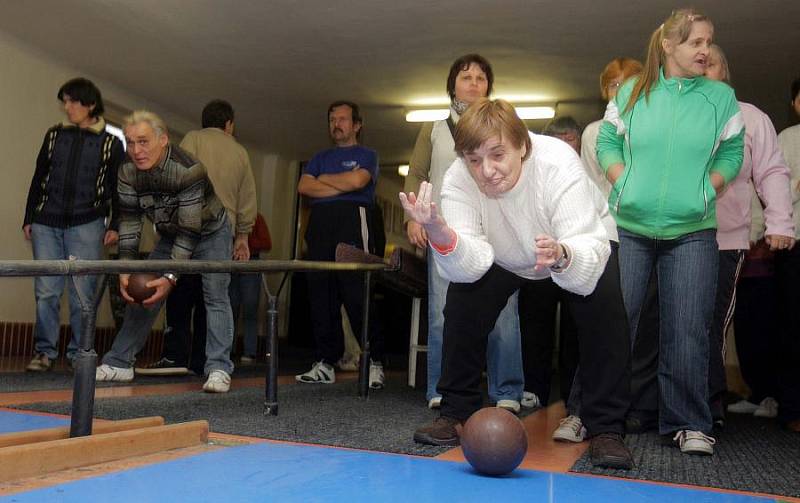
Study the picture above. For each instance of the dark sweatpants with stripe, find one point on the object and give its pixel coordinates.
(730, 265)
(330, 224)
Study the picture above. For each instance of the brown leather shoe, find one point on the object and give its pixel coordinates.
(793, 426)
(608, 450)
(443, 431)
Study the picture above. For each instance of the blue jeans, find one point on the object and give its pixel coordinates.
(245, 291)
(687, 281)
(504, 355)
(84, 242)
(219, 318)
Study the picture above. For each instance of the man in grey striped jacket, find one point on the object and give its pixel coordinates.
(172, 189)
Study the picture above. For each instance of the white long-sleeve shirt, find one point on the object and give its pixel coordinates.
(589, 157)
(553, 196)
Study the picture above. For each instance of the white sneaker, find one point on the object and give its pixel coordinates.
(694, 442)
(509, 405)
(435, 402)
(570, 429)
(767, 408)
(530, 400)
(742, 407)
(218, 382)
(117, 374)
(376, 377)
(320, 372)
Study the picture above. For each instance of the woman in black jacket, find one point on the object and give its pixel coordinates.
(71, 210)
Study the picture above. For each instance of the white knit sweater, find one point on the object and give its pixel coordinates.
(553, 196)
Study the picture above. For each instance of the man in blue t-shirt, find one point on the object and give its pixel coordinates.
(340, 186)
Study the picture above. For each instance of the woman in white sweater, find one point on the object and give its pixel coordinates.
(517, 208)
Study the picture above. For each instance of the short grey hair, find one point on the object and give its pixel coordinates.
(562, 125)
(153, 120)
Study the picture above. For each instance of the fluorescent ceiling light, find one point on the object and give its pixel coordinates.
(435, 101)
(536, 112)
(427, 115)
(402, 170)
(525, 113)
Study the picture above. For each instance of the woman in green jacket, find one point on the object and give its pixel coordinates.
(669, 143)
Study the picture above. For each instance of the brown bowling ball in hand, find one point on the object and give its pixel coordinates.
(136, 286)
(494, 441)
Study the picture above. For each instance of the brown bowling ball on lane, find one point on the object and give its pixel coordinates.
(494, 441)
(136, 286)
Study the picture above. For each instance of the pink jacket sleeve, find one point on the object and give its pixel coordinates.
(771, 177)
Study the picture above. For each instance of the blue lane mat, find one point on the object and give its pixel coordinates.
(275, 472)
(12, 422)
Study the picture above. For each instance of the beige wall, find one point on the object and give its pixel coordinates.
(28, 89)
(276, 184)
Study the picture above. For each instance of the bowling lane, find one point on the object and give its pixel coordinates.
(280, 472)
(13, 422)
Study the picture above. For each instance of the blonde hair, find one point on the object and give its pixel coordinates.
(677, 27)
(487, 118)
(626, 67)
(153, 120)
(723, 61)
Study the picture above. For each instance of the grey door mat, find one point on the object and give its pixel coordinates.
(751, 454)
(316, 414)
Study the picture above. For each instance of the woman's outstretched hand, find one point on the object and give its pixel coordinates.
(423, 211)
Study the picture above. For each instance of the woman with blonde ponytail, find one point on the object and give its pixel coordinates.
(670, 141)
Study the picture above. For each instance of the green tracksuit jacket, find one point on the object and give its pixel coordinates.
(670, 143)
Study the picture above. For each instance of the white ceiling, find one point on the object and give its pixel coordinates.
(280, 62)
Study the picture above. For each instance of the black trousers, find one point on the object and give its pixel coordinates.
(644, 357)
(471, 311)
(730, 265)
(185, 305)
(329, 225)
(787, 274)
(541, 299)
(757, 325)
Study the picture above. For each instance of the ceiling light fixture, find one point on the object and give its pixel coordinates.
(524, 112)
(438, 114)
(402, 170)
(529, 113)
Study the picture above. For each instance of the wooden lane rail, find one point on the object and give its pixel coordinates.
(33, 460)
(49, 434)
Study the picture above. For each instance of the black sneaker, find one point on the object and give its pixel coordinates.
(443, 431)
(641, 423)
(163, 367)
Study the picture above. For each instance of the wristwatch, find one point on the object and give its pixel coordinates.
(171, 277)
(562, 262)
